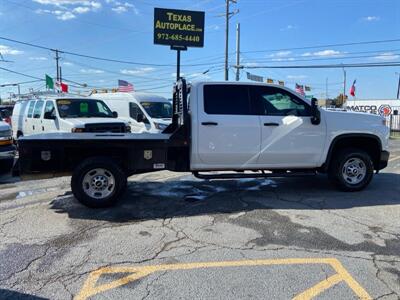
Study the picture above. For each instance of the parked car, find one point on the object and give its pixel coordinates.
(144, 112)
(268, 130)
(64, 114)
(6, 112)
(7, 149)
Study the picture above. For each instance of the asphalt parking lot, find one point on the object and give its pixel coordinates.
(175, 237)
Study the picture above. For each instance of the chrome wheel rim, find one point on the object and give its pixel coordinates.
(354, 171)
(98, 183)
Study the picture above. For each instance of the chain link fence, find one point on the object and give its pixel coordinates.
(393, 122)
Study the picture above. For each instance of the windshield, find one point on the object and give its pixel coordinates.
(158, 110)
(83, 108)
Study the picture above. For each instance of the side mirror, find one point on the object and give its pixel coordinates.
(115, 114)
(140, 118)
(49, 115)
(315, 113)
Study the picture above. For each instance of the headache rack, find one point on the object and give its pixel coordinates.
(180, 115)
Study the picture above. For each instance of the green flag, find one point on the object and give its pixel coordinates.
(49, 82)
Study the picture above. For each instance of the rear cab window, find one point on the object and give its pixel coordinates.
(30, 108)
(226, 99)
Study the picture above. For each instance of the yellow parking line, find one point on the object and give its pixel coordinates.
(394, 158)
(90, 288)
(319, 288)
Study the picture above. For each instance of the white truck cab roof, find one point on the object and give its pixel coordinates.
(197, 84)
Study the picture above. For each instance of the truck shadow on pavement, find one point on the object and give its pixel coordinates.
(9, 294)
(187, 196)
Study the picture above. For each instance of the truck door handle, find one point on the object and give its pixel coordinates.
(271, 124)
(209, 123)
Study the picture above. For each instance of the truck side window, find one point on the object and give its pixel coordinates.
(38, 109)
(224, 99)
(30, 108)
(49, 108)
(273, 101)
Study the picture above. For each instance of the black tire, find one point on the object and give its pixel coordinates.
(111, 170)
(6, 165)
(346, 182)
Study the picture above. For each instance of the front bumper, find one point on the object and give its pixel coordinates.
(383, 161)
(7, 152)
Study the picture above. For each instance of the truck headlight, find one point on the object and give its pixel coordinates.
(128, 128)
(77, 129)
(5, 137)
(160, 126)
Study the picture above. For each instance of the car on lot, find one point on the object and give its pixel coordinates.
(6, 112)
(243, 130)
(144, 112)
(64, 114)
(7, 149)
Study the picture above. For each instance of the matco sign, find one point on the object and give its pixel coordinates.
(384, 110)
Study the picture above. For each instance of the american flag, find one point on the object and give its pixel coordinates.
(300, 89)
(124, 86)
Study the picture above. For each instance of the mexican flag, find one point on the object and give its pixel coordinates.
(62, 87)
(49, 82)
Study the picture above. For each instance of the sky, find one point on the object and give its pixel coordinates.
(270, 29)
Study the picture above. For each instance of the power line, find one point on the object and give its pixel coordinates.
(326, 45)
(101, 58)
(356, 65)
(18, 83)
(22, 74)
(288, 59)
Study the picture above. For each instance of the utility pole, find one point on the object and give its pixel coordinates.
(344, 85)
(398, 86)
(326, 89)
(237, 51)
(57, 66)
(228, 14)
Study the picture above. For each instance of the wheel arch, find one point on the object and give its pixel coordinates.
(367, 142)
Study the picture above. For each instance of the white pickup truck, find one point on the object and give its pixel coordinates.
(267, 130)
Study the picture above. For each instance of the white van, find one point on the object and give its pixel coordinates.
(65, 114)
(144, 112)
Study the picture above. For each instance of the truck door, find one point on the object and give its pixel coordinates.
(228, 132)
(28, 119)
(37, 117)
(139, 122)
(287, 136)
(50, 122)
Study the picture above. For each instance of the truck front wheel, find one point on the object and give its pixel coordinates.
(351, 170)
(98, 182)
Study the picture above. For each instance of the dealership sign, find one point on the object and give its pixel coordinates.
(175, 27)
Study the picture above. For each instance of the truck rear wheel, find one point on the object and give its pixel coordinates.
(351, 170)
(98, 182)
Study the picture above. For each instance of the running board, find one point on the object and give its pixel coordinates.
(253, 175)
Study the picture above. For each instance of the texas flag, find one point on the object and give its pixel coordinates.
(353, 89)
